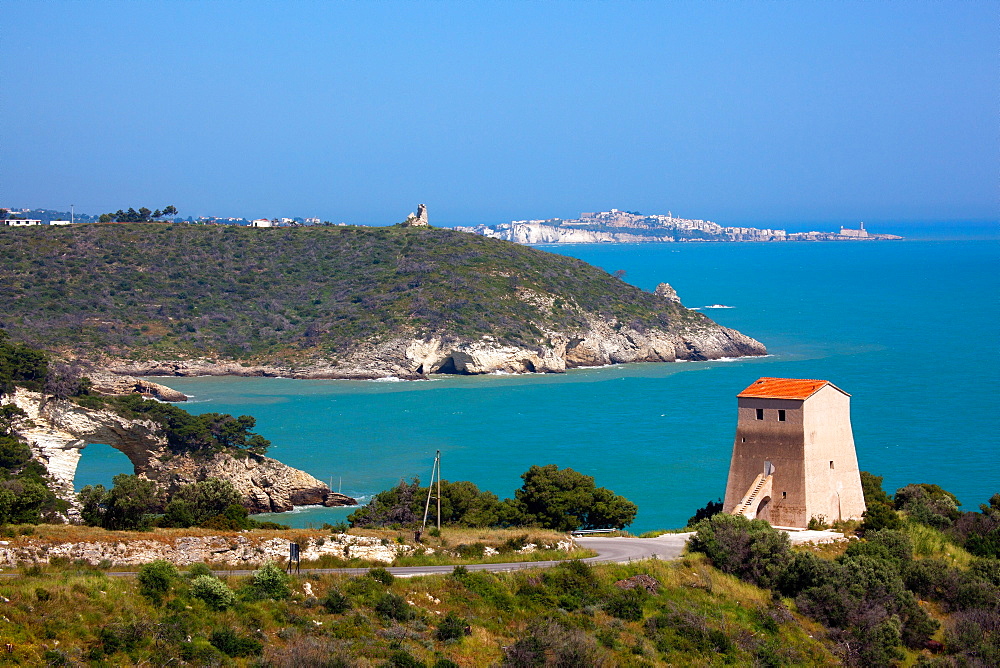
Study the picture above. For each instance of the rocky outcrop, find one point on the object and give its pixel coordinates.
(602, 342)
(221, 550)
(240, 550)
(108, 383)
(61, 429)
(667, 291)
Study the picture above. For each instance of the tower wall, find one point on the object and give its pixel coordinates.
(833, 482)
(782, 444)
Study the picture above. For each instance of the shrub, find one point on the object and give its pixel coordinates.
(708, 510)
(871, 487)
(213, 591)
(230, 643)
(194, 570)
(269, 582)
(452, 627)
(748, 549)
(686, 630)
(975, 637)
(625, 605)
(803, 571)
(552, 644)
(381, 575)
(155, 579)
(514, 543)
(928, 504)
(988, 569)
(393, 606)
(472, 550)
(574, 583)
(880, 516)
(403, 659)
(888, 544)
(336, 603)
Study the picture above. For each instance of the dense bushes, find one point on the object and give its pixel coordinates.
(867, 597)
(206, 433)
(25, 497)
(133, 503)
(749, 549)
(129, 504)
(550, 498)
(21, 365)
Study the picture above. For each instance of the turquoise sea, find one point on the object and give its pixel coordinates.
(909, 329)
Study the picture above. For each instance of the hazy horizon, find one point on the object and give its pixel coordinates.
(747, 114)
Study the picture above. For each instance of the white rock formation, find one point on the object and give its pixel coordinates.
(61, 429)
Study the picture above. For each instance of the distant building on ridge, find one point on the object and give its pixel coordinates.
(793, 456)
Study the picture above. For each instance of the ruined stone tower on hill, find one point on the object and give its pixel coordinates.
(417, 220)
(793, 457)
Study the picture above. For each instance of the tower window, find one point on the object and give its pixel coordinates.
(781, 415)
(831, 463)
(784, 495)
(743, 439)
(760, 413)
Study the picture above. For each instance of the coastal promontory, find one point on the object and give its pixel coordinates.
(331, 302)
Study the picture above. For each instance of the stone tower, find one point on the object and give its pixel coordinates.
(793, 457)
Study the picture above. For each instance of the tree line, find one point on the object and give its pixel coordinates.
(143, 215)
(550, 498)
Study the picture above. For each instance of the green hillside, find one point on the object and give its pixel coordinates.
(165, 290)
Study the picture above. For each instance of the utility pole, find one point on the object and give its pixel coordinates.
(436, 469)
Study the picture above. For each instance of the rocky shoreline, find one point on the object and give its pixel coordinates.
(604, 342)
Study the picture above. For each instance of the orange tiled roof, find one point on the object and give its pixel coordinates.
(784, 388)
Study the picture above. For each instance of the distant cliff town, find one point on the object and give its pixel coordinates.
(616, 226)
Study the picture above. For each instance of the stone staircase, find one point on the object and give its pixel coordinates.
(750, 498)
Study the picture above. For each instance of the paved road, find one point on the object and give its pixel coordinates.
(616, 550)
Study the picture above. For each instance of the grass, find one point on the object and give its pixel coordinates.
(700, 617)
(929, 542)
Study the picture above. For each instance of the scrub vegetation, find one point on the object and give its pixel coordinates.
(922, 584)
(155, 291)
(642, 614)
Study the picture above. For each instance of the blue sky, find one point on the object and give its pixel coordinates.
(757, 113)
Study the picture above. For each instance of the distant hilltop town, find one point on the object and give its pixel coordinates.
(616, 226)
(612, 226)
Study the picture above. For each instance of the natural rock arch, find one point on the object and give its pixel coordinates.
(63, 429)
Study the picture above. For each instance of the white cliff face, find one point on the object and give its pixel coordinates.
(536, 233)
(61, 429)
(599, 343)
